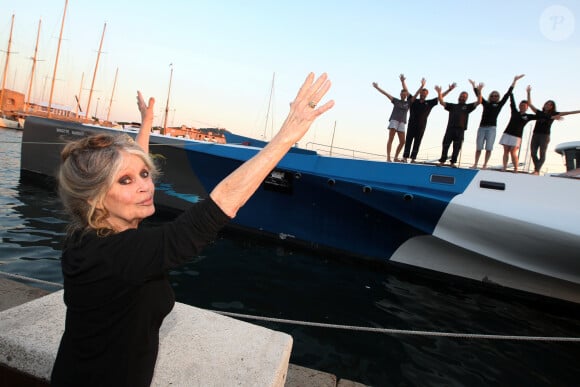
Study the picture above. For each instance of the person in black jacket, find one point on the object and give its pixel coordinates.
(115, 273)
(457, 122)
(418, 113)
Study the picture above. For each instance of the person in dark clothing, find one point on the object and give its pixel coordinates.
(487, 127)
(457, 123)
(512, 135)
(418, 114)
(541, 134)
(116, 288)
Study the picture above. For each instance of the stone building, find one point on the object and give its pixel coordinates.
(11, 102)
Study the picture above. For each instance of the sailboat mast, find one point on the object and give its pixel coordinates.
(33, 67)
(167, 105)
(269, 106)
(6, 67)
(78, 98)
(95, 72)
(56, 60)
(112, 94)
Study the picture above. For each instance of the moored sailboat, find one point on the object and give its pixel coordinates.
(489, 226)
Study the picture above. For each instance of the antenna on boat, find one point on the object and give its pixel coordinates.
(269, 106)
(95, 72)
(56, 60)
(34, 60)
(168, 93)
(6, 67)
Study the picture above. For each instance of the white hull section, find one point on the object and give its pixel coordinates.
(525, 237)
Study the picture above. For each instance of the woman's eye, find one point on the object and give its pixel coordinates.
(125, 180)
(144, 173)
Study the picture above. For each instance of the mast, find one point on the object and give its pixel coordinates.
(6, 67)
(78, 98)
(112, 94)
(167, 105)
(56, 60)
(33, 67)
(332, 141)
(269, 106)
(96, 67)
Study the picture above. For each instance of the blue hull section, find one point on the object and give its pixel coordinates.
(358, 207)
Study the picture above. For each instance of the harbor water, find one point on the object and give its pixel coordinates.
(241, 274)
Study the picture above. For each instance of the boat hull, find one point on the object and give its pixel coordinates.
(508, 229)
(10, 124)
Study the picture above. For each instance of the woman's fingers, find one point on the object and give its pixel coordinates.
(310, 94)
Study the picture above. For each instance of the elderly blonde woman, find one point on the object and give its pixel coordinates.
(115, 283)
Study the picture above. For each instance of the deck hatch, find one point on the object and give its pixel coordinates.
(492, 185)
(442, 179)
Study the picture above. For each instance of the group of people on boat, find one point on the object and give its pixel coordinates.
(417, 108)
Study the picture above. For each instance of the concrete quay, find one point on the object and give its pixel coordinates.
(197, 347)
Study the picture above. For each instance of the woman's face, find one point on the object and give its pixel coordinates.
(130, 198)
(549, 105)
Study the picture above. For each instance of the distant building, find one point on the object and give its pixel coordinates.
(12, 102)
(210, 135)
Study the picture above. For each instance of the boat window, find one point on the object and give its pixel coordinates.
(442, 179)
(492, 185)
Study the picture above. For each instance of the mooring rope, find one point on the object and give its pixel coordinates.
(358, 328)
(403, 331)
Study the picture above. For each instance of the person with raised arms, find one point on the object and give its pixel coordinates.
(456, 123)
(398, 118)
(116, 288)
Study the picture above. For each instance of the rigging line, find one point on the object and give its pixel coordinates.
(359, 328)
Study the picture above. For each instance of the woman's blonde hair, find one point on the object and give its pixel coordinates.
(88, 168)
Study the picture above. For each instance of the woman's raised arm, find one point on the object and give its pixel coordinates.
(234, 190)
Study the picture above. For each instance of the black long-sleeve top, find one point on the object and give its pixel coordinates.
(117, 294)
(492, 109)
(518, 120)
(544, 123)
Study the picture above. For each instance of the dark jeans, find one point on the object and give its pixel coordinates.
(414, 137)
(452, 136)
(539, 142)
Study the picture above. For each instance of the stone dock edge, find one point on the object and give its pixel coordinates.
(14, 294)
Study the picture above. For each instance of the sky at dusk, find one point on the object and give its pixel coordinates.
(225, 54)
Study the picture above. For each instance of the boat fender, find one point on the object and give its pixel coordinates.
(331, 182)
(367, 189)
(297, 175)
